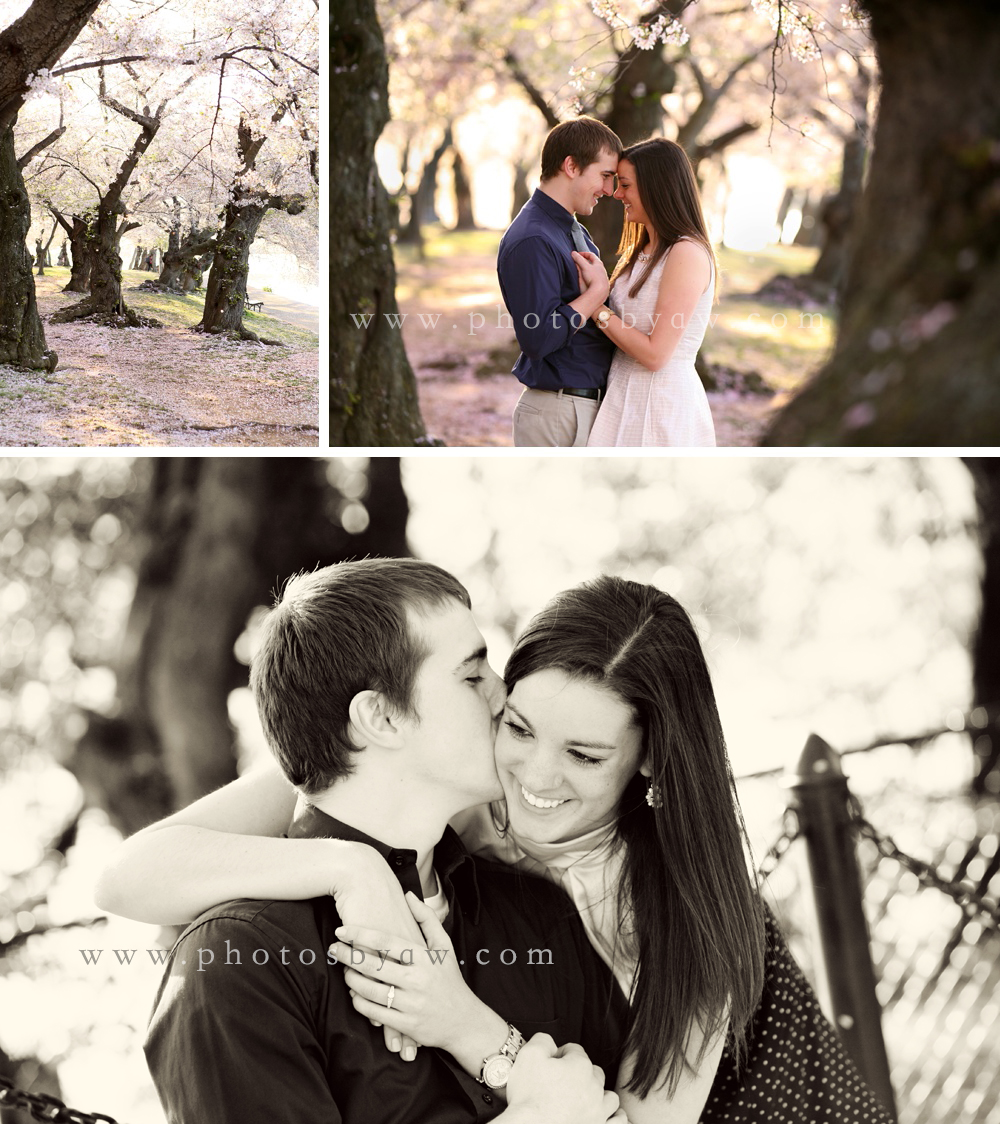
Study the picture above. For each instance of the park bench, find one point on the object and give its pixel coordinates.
(255, 306)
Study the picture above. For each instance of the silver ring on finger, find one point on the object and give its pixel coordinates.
(391, 996)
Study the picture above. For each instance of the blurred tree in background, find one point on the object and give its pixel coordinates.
(218, 537)
(126, 586)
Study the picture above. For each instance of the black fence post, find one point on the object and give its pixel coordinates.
(820, 796)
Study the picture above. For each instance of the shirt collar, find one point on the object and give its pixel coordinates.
(452, 861)
(556, 211)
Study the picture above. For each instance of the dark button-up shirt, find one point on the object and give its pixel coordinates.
(251, 1024)
(538, 279)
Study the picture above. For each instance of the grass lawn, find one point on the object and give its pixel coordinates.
(161, 386)
(781, 343)
(463, 362)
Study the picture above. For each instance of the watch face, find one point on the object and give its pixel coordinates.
(497, 1070)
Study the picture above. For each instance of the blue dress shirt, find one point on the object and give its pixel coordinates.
(538, 279)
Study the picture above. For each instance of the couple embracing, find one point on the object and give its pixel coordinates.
(608, 362)
(591, 947)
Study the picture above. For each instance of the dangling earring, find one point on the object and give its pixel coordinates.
(654, 798)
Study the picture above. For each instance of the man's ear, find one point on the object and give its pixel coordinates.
(570, 168)
(374, 722)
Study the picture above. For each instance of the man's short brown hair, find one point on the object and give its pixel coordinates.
(333, 633)
(584, 139)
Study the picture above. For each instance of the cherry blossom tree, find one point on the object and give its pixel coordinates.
(188, 81)
(272, 141)
(35, 41)
(106, 302)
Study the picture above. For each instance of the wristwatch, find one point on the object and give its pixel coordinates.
(496, 1068)
(603, 317)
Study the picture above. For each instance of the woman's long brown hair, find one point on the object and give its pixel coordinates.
(669, 195)
(689, 911)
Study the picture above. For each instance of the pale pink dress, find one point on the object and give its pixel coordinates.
(667, 407)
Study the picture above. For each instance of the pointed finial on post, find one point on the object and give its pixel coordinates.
(818, 760)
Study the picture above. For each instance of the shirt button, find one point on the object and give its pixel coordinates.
(488, 1098)
(397, 860)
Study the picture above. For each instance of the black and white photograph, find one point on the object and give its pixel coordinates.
(439, 789)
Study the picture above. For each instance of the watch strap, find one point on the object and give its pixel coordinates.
(508, 1051)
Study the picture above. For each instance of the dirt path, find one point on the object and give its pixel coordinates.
(284, 308)
(462, 352)
(162, 386)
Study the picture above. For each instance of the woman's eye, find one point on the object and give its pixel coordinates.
(583, 758)
(517, 731)
(474, 679)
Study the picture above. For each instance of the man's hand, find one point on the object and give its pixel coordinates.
(550, 1085)
(592, 273)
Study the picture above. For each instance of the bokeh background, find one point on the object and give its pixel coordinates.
(836, 596)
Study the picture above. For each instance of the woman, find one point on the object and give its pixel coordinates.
(618, 786)
(661, 296)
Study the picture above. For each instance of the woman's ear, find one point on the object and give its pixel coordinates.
(645, 768)
(374, 722)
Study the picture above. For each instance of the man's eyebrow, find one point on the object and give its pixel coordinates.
(474, 657)
(582, 744)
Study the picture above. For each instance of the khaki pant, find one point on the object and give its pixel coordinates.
(551, 418)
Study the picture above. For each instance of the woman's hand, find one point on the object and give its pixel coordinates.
(431, 1002)
(592, 273)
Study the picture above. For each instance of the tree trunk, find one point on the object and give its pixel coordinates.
(31, 43)
(641, 81)
(80, 234)
(22, 341)
(226, 293)
(422, 208)
(986, 646)
(521, 192)
(63, 259)
(917, 358)
(106, 303)
(839, 212)
(811, 225)
(373, 394)
(186, 260)
(35, 42)
(463, 194)
(222, 534)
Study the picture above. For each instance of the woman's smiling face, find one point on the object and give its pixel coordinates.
(566, 750)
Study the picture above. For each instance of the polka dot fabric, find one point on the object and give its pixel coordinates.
(796, 1070)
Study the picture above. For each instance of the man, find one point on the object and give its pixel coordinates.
(564, 358)
(378, 702)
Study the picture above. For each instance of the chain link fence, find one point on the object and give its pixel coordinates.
(41, 1106)
(930, 866)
